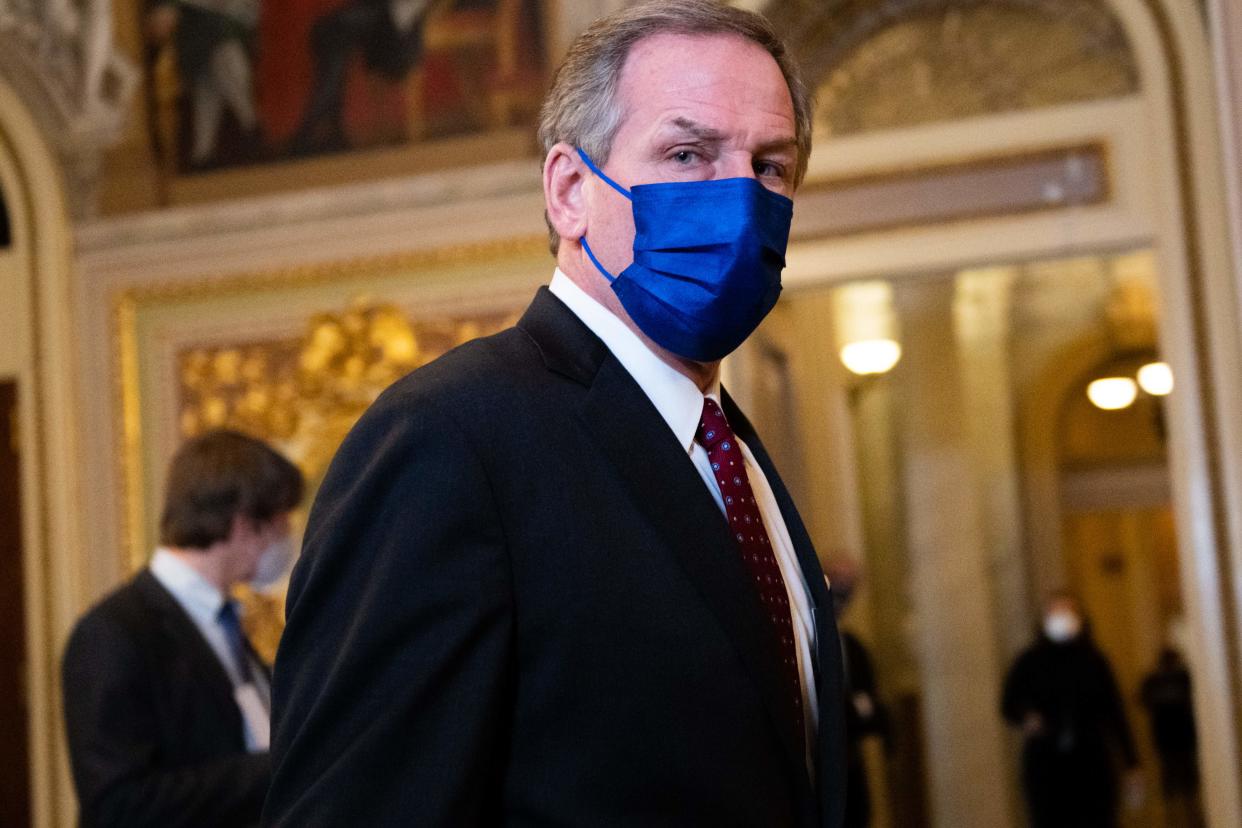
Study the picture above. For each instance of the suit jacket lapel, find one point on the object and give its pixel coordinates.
(186, 640)
(671, 495)
(829, 668)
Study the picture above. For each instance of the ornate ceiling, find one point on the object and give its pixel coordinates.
(881, 64)
(59, 56)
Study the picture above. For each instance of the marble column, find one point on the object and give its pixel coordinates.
(982, 319)
(954, 626)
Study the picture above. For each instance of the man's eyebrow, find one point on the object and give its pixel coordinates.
(789, 142)
(712, 135)
(700, 131)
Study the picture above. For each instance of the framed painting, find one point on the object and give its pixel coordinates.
(241, 82)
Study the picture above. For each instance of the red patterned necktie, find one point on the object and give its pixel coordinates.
(742, 512)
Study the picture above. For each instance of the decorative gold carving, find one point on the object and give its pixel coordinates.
(128, 303)
(304, 395)
(260, 402)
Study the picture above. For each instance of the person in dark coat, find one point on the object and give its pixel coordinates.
(1166, 694)
(865, 713)
(553, 577)
(1062, 694)
(166, 704)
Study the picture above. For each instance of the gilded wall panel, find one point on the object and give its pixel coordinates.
(294, 357)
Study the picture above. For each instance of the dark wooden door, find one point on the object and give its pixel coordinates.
(14, 756)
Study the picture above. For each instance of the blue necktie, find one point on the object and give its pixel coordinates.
(229, 621)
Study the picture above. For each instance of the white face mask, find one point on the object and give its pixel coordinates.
(273, 565)
(1062, 626)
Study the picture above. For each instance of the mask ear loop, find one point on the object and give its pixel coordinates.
(591, 164)
(595, 261)
(600, 173)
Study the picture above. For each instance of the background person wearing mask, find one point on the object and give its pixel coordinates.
(166, 705)
(1062, 694)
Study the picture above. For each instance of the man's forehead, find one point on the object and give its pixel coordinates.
(686, 60)
(675, 71)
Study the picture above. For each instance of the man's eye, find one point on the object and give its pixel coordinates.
(685, 156)
(768, 169)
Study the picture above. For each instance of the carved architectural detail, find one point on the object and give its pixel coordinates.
(60, 58)
(304, 395)
(881, 64)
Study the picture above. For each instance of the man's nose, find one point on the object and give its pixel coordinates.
(736, 165)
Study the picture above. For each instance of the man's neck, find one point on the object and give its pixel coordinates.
(703, 374)
(210, 563)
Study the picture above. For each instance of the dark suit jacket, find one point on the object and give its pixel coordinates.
(155, 737)
(519, 605)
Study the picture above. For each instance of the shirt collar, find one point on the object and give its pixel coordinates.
(200, 597)
(674, 395)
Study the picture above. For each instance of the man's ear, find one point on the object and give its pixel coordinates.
(563, 176)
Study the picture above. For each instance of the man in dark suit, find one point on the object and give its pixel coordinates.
(553, 578)
(166, 705)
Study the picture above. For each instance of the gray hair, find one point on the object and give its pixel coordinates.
(581, 107)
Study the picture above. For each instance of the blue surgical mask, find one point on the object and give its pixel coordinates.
(707, 263)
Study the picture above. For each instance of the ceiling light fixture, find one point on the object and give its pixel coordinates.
(1156, 378)
(1112, 393)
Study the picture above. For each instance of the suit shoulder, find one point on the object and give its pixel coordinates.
(462, 385)
(473, 368)
(117, 622)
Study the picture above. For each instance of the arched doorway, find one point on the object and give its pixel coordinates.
(37, 357)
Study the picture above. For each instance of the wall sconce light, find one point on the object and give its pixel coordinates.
(871, 356)
(1156, 378)
(866, 327)
(1112, 393)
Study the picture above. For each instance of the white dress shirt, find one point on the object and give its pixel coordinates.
(202, 600)
(680, 403)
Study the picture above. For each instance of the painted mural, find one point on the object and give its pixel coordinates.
(240, 82)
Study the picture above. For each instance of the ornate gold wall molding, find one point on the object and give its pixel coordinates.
(129, 303)
(312, 388)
